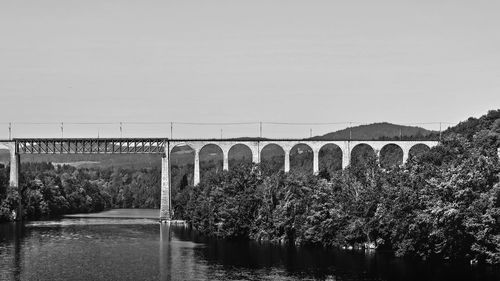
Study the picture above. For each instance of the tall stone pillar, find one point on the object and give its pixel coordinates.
(225, 160)
(15, 161)
(346, 155)
(14, 168)
(196, 179)
(406, 154)
(259, 155)
(255, 158)
(287, 160)
(255, 153)
(315, 161)
(165, 208)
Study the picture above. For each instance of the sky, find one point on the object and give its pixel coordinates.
(218, 61)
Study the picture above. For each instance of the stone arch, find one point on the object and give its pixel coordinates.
(362, 153)
(211, 159)
(301, 158)
(418, 149)
(181, 166)
(272, 157)
(182, 145)
(243, 156)
(330, 159)
(391, 155)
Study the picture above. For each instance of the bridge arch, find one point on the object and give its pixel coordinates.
(272, 157)
(211, 158)
(391, 154)
(301, 158)
(362, 153)
(239, 154)
(182, 159)
(418, 149)
(181, 145)
(330, 159)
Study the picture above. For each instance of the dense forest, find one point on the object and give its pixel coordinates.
(52, 191)
(444, 203)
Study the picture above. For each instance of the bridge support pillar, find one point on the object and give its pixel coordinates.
(165, 208)
(225, 160)
(15, 161)
(315, 162)
(406, 154)
(287, 161)
(346, 155)
(196, 178)
(256, 154)
(14, 169)
(256, 158)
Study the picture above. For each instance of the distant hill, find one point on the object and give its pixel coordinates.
(379, 131)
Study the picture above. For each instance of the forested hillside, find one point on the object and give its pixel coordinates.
(378, 131)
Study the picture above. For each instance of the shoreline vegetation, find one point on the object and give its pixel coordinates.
(443, 203)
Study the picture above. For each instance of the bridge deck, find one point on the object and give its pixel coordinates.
(151, 145)
(140, 139)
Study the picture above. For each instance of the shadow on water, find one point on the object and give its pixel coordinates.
(322, 263)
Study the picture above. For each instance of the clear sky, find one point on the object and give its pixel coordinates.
(244, 60)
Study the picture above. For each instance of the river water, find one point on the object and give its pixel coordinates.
(142, 249)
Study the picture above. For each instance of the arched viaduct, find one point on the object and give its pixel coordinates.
(165, 146)
(256, 148)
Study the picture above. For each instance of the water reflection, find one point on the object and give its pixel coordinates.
(121, 249)
(10, 255)
(18, 234)
(165, 254)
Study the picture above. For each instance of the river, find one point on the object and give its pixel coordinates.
(106, 248)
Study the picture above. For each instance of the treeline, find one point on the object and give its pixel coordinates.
(444, 203)
(49, 191)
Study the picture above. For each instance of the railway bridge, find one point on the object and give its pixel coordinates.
(164, 147)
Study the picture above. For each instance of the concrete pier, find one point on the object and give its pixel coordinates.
(165, 208)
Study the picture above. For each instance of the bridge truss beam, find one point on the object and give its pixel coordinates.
(91, 146)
